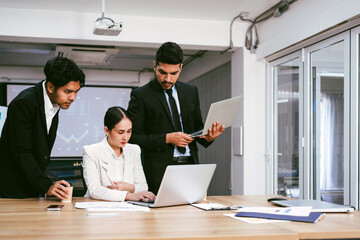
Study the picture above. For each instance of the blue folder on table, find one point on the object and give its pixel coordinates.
(313, 216)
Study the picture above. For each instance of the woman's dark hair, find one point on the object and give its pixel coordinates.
(60, 70)
(169, 53)
(113, 116)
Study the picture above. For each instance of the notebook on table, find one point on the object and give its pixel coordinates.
(317, 205)
(223, 111)
(182, 184)
(313, 216)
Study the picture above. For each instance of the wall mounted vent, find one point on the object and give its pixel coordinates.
(86, 55)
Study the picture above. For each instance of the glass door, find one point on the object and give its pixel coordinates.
(354, 153)
(329, 119)
(287, 73)
(314, 117)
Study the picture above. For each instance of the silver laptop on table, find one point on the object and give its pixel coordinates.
(223, 111)
(182, 184)
(317, 205)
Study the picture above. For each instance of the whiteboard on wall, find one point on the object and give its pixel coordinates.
(83, 123)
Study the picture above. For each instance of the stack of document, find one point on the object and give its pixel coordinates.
(301, 214)
(110, 206)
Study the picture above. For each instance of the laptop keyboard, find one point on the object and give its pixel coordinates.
(148, 200)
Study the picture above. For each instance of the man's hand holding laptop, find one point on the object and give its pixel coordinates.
(181, 139)
(214, 132)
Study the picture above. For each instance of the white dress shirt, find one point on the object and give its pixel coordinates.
(175, 96)
(50, 109)
(102, 168)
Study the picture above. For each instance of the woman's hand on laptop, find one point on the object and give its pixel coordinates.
(140, 196)
(213, 133)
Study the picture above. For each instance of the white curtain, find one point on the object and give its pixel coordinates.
(332, 141)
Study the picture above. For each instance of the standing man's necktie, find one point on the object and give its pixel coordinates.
(175, 116)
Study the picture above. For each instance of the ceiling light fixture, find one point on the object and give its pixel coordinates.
(106, 26)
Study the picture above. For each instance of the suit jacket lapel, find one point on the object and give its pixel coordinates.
(126, 154)
(40, 100)
(40, 96)
(105, 161)
(159, 93)
(182, 98)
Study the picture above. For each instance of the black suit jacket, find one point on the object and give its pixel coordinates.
(25, 146)
(150, 114)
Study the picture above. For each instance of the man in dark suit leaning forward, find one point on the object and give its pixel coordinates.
(163, 111)
(30, 129)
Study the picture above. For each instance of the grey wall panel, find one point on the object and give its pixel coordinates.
(215, 86)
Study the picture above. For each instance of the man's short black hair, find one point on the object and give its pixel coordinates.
(169, 53)
(60, 71)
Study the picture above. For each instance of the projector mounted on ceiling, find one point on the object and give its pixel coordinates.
(106, 26)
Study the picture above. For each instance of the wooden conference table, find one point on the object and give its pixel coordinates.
(28, 219)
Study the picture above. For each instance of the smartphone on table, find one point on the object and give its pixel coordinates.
(57, 207)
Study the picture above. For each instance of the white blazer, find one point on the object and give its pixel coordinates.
(99, 172)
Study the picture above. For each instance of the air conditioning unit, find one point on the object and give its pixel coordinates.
(87, 55)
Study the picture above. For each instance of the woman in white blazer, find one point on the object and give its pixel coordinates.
(112, 167)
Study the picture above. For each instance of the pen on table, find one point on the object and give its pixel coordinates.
(237, 206)
(221, 208)
(321, 216)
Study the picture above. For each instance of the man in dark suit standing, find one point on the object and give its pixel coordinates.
(163, 111)
(30, 129)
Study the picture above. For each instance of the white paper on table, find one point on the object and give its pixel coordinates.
(110, 206)
(101, 204)
(114, 209)
(293, 211)
(254, 220)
